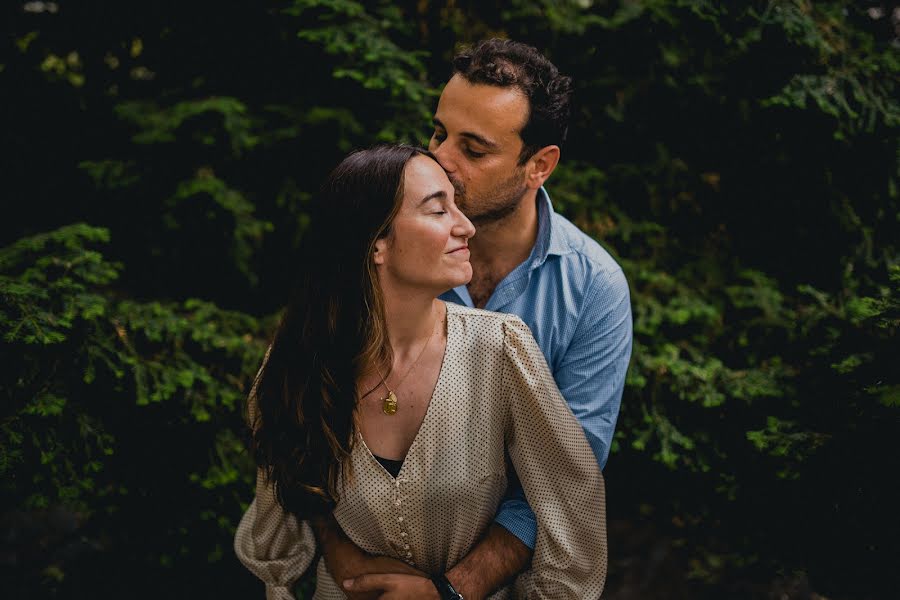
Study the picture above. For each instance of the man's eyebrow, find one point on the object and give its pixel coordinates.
(471, 135)
(438, 194)
(481, 140)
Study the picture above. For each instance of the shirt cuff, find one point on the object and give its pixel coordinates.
(279, 592)
(516, 517)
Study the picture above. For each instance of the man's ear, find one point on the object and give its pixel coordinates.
(541, 165)
(381, 246)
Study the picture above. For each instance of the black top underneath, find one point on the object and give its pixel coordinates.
(391, 466)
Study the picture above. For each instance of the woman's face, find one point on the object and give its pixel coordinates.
(428, 244)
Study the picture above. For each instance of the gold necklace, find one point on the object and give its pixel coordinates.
(389, 402)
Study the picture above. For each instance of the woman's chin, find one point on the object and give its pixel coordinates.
(445, 281)
(465, 275)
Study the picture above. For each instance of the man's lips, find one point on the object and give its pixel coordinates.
(461, 248)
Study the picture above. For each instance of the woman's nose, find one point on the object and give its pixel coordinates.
(463, 226)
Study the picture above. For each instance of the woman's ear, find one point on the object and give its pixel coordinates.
(380, 251)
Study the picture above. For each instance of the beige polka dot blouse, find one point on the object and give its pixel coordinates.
(495, 398)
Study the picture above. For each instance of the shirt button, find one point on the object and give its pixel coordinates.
(406, 546)
(403, 534)
(400, 519)
(409, 555)
(397, 502)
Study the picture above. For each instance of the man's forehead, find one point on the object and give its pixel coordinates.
(487, 110)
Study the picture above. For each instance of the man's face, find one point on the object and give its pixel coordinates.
(476, 140)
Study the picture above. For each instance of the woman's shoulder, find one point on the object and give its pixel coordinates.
(481, 317)
(480, 326)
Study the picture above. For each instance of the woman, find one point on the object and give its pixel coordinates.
(394, 411)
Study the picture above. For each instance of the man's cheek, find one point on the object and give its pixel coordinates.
(458, 188)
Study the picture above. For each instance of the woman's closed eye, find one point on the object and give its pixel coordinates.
(435, 206)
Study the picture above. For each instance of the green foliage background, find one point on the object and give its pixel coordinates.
(739, 159)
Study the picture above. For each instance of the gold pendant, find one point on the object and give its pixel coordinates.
(389, 404)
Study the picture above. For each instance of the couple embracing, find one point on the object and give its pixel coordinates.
(437, 403)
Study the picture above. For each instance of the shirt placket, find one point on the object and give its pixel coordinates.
(402, 523)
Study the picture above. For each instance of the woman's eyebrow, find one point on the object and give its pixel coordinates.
(439, 194)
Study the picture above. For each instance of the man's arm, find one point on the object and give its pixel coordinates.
(497, 558)
(591, 375)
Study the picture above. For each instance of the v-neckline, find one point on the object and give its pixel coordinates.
(436, 394)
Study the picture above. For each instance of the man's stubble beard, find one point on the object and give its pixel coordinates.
(501, 201)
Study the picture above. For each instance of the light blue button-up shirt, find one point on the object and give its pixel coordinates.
(575, 299)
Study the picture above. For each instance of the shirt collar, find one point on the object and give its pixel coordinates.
(550, 240)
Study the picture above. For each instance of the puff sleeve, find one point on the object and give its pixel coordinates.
(273, 544)
(559, 474)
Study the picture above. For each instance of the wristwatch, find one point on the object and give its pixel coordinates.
(445, 589)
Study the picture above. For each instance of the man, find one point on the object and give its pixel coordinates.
(498, 128)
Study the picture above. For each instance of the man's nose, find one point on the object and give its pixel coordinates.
(443, 155)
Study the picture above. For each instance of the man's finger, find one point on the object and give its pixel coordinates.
(368, 583)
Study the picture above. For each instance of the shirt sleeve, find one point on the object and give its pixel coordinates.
(274, 545)
(559, 474)
(591, 377)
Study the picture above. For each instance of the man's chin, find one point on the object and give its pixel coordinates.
(471, 208)
(494, 215)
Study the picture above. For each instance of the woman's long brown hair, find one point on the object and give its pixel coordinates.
(302, 405)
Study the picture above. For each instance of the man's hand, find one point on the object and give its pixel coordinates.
(345, 560)
(367, 574)
(391, 586)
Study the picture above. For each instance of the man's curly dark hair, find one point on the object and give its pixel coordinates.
(505, 63)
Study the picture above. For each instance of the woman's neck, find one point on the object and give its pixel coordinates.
(409, 318)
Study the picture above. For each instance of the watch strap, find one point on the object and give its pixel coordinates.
(445, 589)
